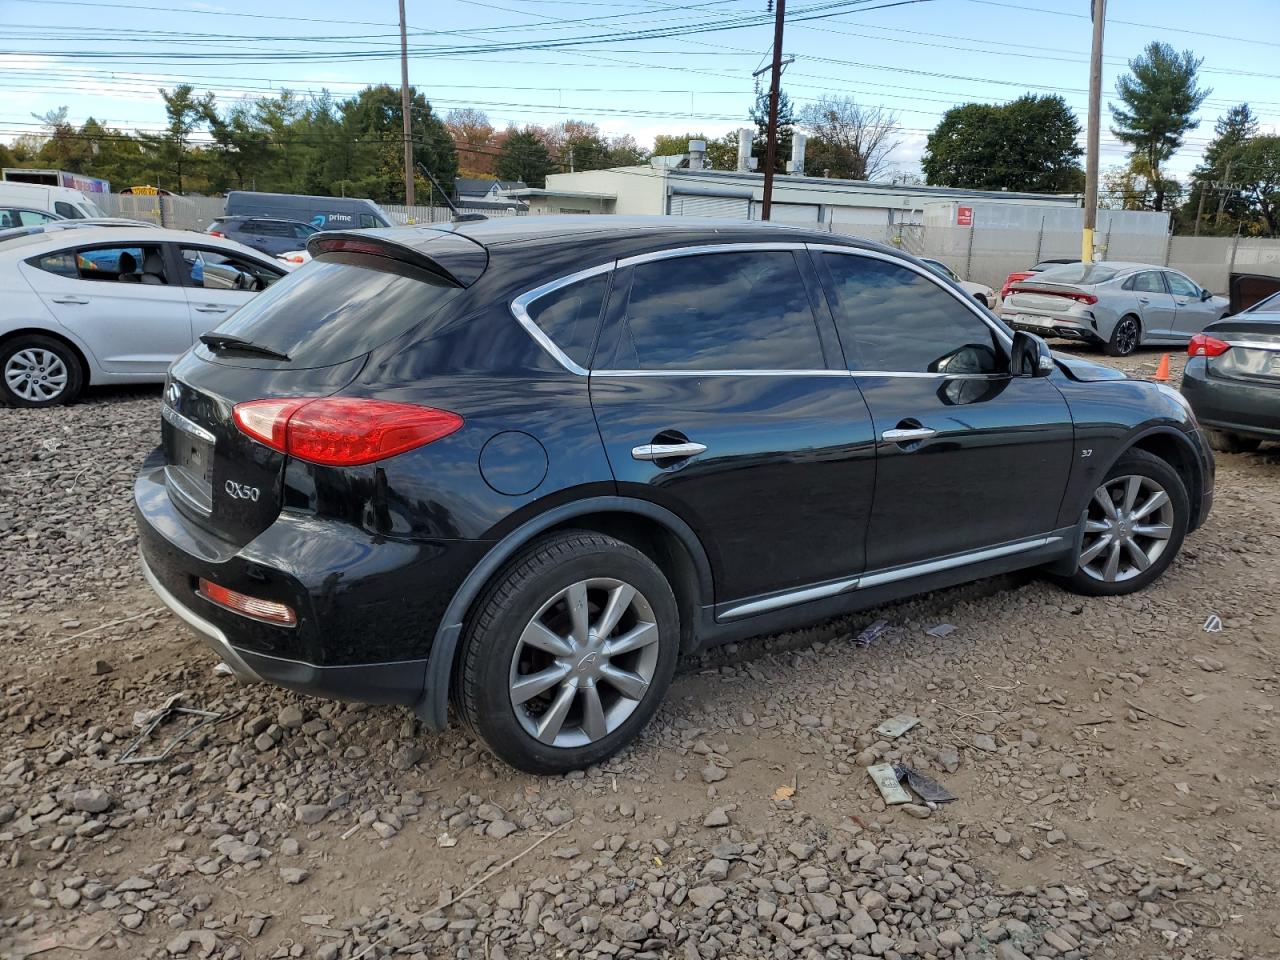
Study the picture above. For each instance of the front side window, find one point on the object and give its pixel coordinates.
(301, 231)
(570, 316)
(1181, 286)
(719, 311)
(64, 209)
(1148, 282)
(215, 270)
(133, 264)
(891, 318)
(367, 221)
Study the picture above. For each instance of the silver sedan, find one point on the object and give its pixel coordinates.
(1117, 306)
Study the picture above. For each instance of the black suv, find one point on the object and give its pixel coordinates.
(522, 465)
(271, 235)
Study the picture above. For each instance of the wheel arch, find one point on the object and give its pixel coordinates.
(86, 371)
(653, 530)
(1176, 449)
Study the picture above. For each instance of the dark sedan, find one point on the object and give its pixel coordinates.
(523, 465)
(1232, 379)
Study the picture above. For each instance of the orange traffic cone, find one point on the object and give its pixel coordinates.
(1162, 371)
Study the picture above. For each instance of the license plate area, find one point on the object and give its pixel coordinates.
(189, 454)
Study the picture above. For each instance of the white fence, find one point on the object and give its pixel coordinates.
(422, 214)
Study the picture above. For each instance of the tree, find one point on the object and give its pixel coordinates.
(1027, 144)
(1230, 134)
(473, 138)
(523, 156)
(1259, 165)
(786, 126)
(169, 149)
(1132, 186)
(673, 144)
(63, 146)
(624, 151)
(1159, 100)
(849, 140)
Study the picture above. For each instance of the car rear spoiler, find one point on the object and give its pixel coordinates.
(455, 259)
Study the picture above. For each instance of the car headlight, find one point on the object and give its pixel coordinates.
(1173, 394)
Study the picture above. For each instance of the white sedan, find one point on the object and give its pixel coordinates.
(114, 304)
(980, 292)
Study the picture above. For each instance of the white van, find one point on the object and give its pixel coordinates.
(65, 202)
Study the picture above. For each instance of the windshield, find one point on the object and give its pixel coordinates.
(338, 308)
(1088, 273)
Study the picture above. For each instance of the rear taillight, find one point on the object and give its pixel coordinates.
(1012, 279)
(217, 233)
(1203, 345)
(1088, 298)
(342, 431)
(269, 611)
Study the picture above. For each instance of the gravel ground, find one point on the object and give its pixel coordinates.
(1115, 767)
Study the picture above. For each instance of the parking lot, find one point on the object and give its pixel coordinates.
(1114, 762)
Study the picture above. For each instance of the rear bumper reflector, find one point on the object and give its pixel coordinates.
(267, 611)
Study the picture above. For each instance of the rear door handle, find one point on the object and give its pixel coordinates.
(212, 308)
(908, 436)
(69, 299)
(667, 451)
(1144, 299)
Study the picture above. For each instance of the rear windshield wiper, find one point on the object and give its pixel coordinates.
(225, 341)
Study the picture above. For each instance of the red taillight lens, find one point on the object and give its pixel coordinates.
(268, 611)
(1203, 345)
(342, 431)
(217, 233)
(1087, 298)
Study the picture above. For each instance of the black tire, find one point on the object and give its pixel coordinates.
(482, 687)
(1226, 442)
(1138, 463)
(41, 346)
(1126, 337)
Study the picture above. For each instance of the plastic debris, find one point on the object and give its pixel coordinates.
(1213, 624)
(886, 781)
(872, 633)
(897, 726)
(929, 789)
(941, 630)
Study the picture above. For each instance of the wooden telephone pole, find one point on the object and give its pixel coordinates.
(771, 133)
(404, 110)
(1099, 11)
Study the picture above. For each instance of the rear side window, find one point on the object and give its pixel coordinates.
(1079, 273)
(272, 228)
(722, 311)
(1148, 282)
(338, 307)
(893, 319)
(570, 316)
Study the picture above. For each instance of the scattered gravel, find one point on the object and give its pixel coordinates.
(1115, 800)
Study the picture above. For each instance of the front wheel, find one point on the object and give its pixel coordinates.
(1124, 338)
(568, 654)
(1134, 525)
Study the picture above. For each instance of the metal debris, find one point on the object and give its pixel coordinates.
(152, 719)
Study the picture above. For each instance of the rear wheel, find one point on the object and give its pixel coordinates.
(1133, 527)
(1124, 338)
(38, 371)
(569, 653)
(1227, 442)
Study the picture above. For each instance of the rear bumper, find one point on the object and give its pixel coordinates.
(367, 607)
(1234, 406)
(1065, 328)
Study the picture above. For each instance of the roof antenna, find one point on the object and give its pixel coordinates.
(458, 216)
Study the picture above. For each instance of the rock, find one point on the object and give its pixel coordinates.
(407, 756)
(880, 944)
(1208, 664)
(716, 818)
(917, 810)
(716, 869)
(185, 940)
(1068, 770)
(91, 801)
(68, 898)
(311, 812)
(1007, 951)
(135, 885)
(558, 816)
(826, 907)
(290, 717)
(951, 939)
(99, 668)
(861, 925)
(293, 875)
(949, 759)
(706, 896)
(984, 741)
(510, 900)
(1002, 837)
(713, 774)
(626, 930)
(1119, 911)
(500, 828)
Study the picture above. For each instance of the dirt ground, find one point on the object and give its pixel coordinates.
(1115, 766)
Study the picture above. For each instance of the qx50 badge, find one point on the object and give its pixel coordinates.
(238, 491)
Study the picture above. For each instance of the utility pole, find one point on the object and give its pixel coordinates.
(404, 110)
(771, 133)
(1099, 12)
(1223, 188)
(1200, 207)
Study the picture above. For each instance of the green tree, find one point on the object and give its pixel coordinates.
(168, 150)
(1222, 209)
(63, 147)
(1259, 166)
(1027, 144)
(1159, 99)
(672, 144)
(849, 140)
(786, 128)
(523, 156)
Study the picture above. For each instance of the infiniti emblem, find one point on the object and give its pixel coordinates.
(586, 662)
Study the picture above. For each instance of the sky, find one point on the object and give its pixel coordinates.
(916, 58)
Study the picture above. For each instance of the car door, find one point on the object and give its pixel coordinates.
(1156, 307)
(1194, 313)
(720, 394)
(219, 282)
(968, 456)
(120, 300)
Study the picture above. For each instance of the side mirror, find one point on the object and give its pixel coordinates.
(1206, 295)
(1030, 356)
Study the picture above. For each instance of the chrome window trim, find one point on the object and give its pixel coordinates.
(720, 373)
(707, 248)
(182, 423)
(966, 301)
(879, 578)
(520, 310)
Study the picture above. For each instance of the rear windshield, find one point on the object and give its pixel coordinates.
(1079, 273)
(337, 308)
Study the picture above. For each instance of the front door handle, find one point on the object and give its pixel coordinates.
(69, 299)
(212, 308)
(667, 451)
(1183, 303)
(908, 436)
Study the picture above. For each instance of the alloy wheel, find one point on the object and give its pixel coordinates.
(36, 374)
(584, 662)
(1126, 336)
(1127, 528)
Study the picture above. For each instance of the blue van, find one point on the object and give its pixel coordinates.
(323, 213)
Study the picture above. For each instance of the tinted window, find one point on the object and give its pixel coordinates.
(272, 228)
(64, 209)
(725, 311)
(368, 220)
(63, 264)
(337, 308)
(1079, 273)
(301, 231)
(228, 273)
(570, 316)
(892, 318)
(1148, 282)
(1181, 286)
